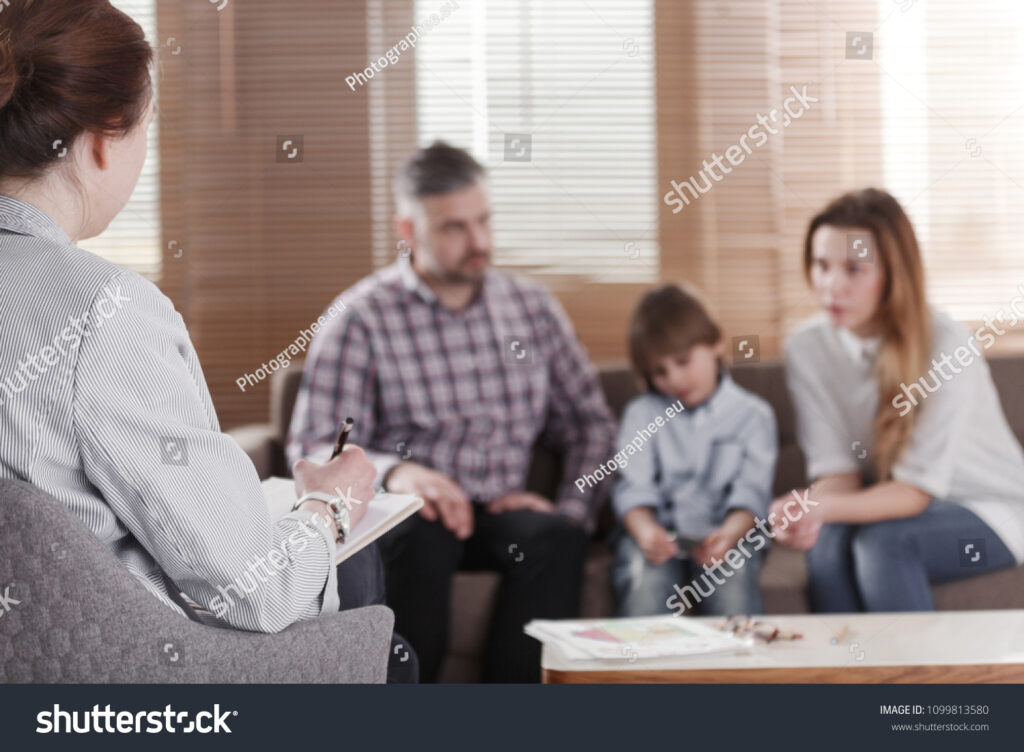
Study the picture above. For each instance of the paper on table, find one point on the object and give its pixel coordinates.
(631, 639)
(383, 512)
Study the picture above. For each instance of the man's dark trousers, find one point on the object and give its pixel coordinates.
(361, 583)
(540, 559)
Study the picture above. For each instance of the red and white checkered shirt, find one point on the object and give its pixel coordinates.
(466, 393)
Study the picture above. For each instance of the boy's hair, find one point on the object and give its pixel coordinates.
(669, 319)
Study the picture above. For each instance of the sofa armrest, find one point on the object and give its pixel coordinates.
(260, 442)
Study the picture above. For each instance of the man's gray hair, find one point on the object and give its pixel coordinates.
(434, 170)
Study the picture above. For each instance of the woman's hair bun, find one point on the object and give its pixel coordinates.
(66, 67)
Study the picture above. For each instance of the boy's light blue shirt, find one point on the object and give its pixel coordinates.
(702, 463)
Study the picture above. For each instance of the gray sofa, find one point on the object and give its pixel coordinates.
(784, 576)
(71, 613)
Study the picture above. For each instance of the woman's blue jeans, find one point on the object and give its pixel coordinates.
(890, 565)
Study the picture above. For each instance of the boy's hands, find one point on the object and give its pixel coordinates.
(652, 538)
(715, 545)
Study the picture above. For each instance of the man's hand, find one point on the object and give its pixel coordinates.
(442, 496)
(652, 538)
(521, 500)
(350, 474)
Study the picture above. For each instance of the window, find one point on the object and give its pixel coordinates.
(557, 101)
(134, 238)
(919, 98)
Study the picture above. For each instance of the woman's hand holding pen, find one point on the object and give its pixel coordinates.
(443, 497)
(349, 475)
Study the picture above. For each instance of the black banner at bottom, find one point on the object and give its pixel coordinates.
(480, 717)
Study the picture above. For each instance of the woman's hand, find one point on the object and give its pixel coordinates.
(349, 475)
(798, 530)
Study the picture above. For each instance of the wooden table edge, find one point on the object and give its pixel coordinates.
(996, 673)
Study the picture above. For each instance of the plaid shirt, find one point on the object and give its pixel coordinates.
(466, 393)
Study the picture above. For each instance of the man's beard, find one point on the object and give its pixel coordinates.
(458, 276)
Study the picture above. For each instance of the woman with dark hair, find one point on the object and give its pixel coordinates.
(102, 399)
(916, 473)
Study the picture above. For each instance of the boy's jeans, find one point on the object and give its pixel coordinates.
(890, 565)
(642, 589)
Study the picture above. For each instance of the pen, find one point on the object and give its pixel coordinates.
(342, 437)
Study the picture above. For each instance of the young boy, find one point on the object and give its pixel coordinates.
(691, 493)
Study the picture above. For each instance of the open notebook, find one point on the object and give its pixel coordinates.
(385, 511)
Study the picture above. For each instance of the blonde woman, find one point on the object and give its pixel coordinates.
(915, 471)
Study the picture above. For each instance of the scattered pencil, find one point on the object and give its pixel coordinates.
(841, 634)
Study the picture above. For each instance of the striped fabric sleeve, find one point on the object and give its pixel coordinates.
(150, 443)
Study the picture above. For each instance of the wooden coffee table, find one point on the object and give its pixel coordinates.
(914, 647)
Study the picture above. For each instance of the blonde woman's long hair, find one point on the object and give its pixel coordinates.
(903, 313)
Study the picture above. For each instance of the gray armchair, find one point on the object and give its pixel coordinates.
(71, 613)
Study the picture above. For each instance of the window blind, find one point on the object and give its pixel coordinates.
(133, 238)
(557, 101)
